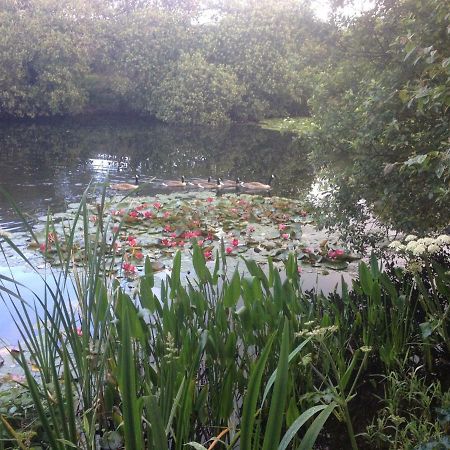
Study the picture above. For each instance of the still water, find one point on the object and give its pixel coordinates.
(49, 164)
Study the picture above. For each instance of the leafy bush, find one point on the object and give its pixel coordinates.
(197, 92)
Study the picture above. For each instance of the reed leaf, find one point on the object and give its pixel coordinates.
(278, 401)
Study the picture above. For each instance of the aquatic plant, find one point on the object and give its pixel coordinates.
(224, 356)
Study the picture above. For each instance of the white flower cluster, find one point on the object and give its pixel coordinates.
(421, 246)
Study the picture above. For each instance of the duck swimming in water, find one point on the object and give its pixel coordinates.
(175, 183)
(256, 186)
(126, 186)
(219, 184)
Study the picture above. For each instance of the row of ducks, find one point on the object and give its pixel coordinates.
(203, 184)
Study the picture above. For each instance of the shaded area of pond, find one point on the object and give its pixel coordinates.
(49, 163)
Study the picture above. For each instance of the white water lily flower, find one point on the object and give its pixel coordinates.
(443, 239)
(411, 246)
(410, 237)
(433, 248)
(419, 249)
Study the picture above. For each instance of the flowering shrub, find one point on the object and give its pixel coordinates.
(420, 247)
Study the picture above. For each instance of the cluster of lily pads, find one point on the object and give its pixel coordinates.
(251, 226)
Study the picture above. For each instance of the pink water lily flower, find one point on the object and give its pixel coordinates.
(208, 254)
(148, 215)
(335, 253)
(128, 268)
(132, 241)
(157, 205)
(166, 214)
(282, 226)
(229, 250)
(235, 242)
(209, 199)
(285, 236)
(168, 228)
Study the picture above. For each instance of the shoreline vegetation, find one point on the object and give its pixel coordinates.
(247, 356)
(226, 356)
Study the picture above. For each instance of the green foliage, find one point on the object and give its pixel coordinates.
(155, 58)
(153, 371)
(197, 92)
(385, 109)
(271, 46)
(408, 416)
(42, 61)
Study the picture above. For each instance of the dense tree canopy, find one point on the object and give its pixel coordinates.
(376, 85)
(62, 58)
(382, 119)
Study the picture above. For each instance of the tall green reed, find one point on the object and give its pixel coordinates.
(207, 357)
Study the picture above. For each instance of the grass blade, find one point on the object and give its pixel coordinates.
(315, 428)
(278, 402)
(251, 398)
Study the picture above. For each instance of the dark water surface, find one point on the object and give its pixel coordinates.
(48, 164)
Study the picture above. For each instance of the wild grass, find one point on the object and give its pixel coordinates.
(225, 360)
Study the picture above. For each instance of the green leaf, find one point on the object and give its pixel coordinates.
(251, 397)
(158, 432)
(292, 355)
(365, 278)
(278, 401)
(232, 291)
(348, 373)
(310, 437)
(127, 385)
(297, 424)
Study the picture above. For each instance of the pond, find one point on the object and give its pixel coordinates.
(48, 164)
